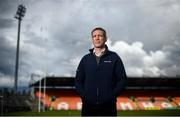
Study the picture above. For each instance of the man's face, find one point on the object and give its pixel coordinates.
(98, 39)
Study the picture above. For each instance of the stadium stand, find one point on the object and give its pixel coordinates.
(14, 102)
(140, 94)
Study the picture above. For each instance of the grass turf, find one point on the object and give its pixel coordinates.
(120, 113)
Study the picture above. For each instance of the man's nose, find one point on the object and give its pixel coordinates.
(97, 37)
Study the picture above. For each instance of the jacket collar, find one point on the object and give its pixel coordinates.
(105, 52)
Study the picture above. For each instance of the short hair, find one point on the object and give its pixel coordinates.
(99, 28)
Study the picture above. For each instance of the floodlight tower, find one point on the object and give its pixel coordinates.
(19, 15)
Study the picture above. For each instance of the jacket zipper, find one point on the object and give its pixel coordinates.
(97, 90)
(97, 101)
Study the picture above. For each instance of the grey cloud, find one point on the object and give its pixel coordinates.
(6, 23)
(6, 6)
(56, 34)
(7, 56)
(173, 54)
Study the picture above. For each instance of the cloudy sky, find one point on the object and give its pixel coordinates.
(55, 34)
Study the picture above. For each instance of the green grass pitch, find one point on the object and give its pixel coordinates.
(120, 113)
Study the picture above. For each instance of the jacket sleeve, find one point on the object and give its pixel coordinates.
(79, 79)
(120, 76)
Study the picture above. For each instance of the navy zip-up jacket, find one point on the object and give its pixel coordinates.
(100, 83)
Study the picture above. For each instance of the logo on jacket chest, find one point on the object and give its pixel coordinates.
(107, 61)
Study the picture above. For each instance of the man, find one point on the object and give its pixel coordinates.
(100, 78)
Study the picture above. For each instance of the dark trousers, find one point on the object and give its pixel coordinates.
(99, 110)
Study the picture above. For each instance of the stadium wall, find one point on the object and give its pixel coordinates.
(130, 99)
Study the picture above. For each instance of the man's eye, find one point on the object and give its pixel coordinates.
(100, 35)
